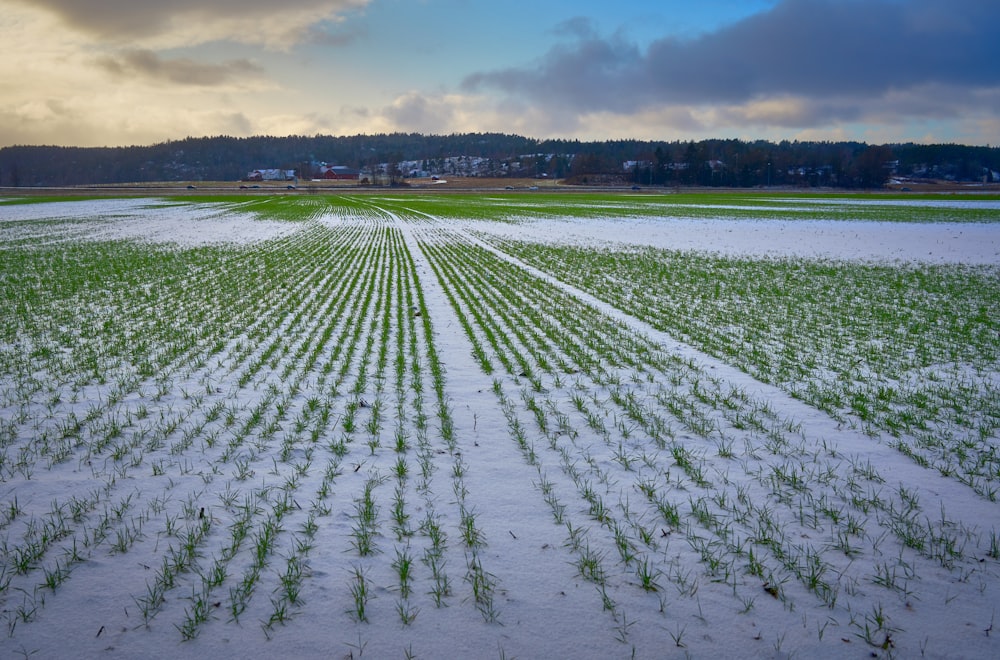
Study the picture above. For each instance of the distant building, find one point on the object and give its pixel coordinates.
(338, 172)
(270, 175)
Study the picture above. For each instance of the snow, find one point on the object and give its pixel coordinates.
(986, 204)
(148, 220)
(967, 243)
(544, 607)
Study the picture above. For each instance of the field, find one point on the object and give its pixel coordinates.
(500, 425)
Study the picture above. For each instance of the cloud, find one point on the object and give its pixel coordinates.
(577, 76)
(325, 35)
(579, 27)
(111, 121)
(827, 54)
(148, 65)
(437, 113)
(162, 23)
(420, 113)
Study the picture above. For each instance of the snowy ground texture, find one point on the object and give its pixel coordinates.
(473, 426)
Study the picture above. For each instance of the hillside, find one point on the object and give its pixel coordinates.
(389, 157)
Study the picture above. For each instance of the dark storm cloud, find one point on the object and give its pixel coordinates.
(146, 64)
(817, 49)
(122, 20)
(578, 75)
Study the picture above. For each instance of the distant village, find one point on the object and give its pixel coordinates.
(531, 166)
(470, 166)
(323, 171)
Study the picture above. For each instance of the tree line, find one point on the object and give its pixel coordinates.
(714, 162)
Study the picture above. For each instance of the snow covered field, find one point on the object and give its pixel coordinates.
(524, 426)
(830, 239)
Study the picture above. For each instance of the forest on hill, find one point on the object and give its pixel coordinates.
(715, 162)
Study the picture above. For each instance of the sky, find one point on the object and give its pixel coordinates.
(127, 72)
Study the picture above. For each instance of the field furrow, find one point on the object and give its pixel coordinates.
(387, 426)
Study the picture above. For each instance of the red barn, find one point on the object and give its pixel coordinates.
(338, 172)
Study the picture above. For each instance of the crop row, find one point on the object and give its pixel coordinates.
(263, 435)
(636, 451)
(213, 402)
(516, 207)
(905, 351)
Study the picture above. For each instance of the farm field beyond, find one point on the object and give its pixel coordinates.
(500, 425)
